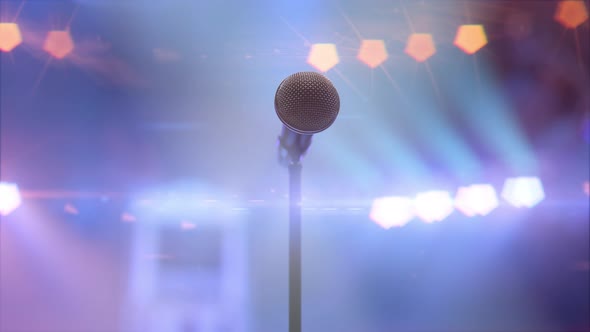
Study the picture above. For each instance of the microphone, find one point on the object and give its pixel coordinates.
(306, 103)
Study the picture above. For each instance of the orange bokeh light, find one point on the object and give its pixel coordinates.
(571, 13)
(420, 46)
(373, 53)
(58, 43)
(471, 38)
(323, 56)
(10, 36)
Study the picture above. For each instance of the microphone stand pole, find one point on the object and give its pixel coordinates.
(292, 147)
(295, 247)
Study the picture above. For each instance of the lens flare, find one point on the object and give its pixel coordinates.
(10, 36)
(432, 206)
(10, 198)
(393, 211)
(477, 199)
(372, 53)
(323, 57)
(471, 38)
(523, 191)
(420, 46)
(58, 44)
(571, 13)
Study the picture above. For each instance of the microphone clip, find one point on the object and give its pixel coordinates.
(292, 147)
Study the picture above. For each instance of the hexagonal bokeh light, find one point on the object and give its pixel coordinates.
(433, 205)
(58, 43)
(10, 198)
(10, 36)
(392, 211)
(373, 53)
(523, 191)
(323, 57)
(420, 46)
(477, 199)
(471, 38)
(571, 13)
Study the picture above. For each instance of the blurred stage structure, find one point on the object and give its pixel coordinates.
(193, 281)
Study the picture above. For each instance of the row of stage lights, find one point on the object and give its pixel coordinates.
(387, 212)
(470, 38)
(324, 56)
(474, 200)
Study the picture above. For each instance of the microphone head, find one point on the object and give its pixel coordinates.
(307, 102)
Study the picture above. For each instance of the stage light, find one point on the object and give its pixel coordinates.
(571, 13)
(420, 46)
(58, 44)
(477, 199)
(10, 198)
(373, 53)
(433, 205)
(523, 191)
(10, 36)
(390, 212)
(471, 38)
(323, 56)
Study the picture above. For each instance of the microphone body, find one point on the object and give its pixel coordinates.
(306, 103)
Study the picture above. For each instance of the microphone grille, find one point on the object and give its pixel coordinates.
(307, 102)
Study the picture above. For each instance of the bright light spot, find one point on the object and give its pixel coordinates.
(70, 209)
(10, 36)
(323, 56)
(471, 38)
(420, 46)
(434, 205)
(10, 198)
(128, 217)
(388, 212)
(477, 199)
(523, 191)
(187, 226)
(571, 13)
(59, 44)
(587, 187)
(372, 52)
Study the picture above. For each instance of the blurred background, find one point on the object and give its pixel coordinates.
(140, 188)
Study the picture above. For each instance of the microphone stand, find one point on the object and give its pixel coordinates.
(292, 147)
(295, 247)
